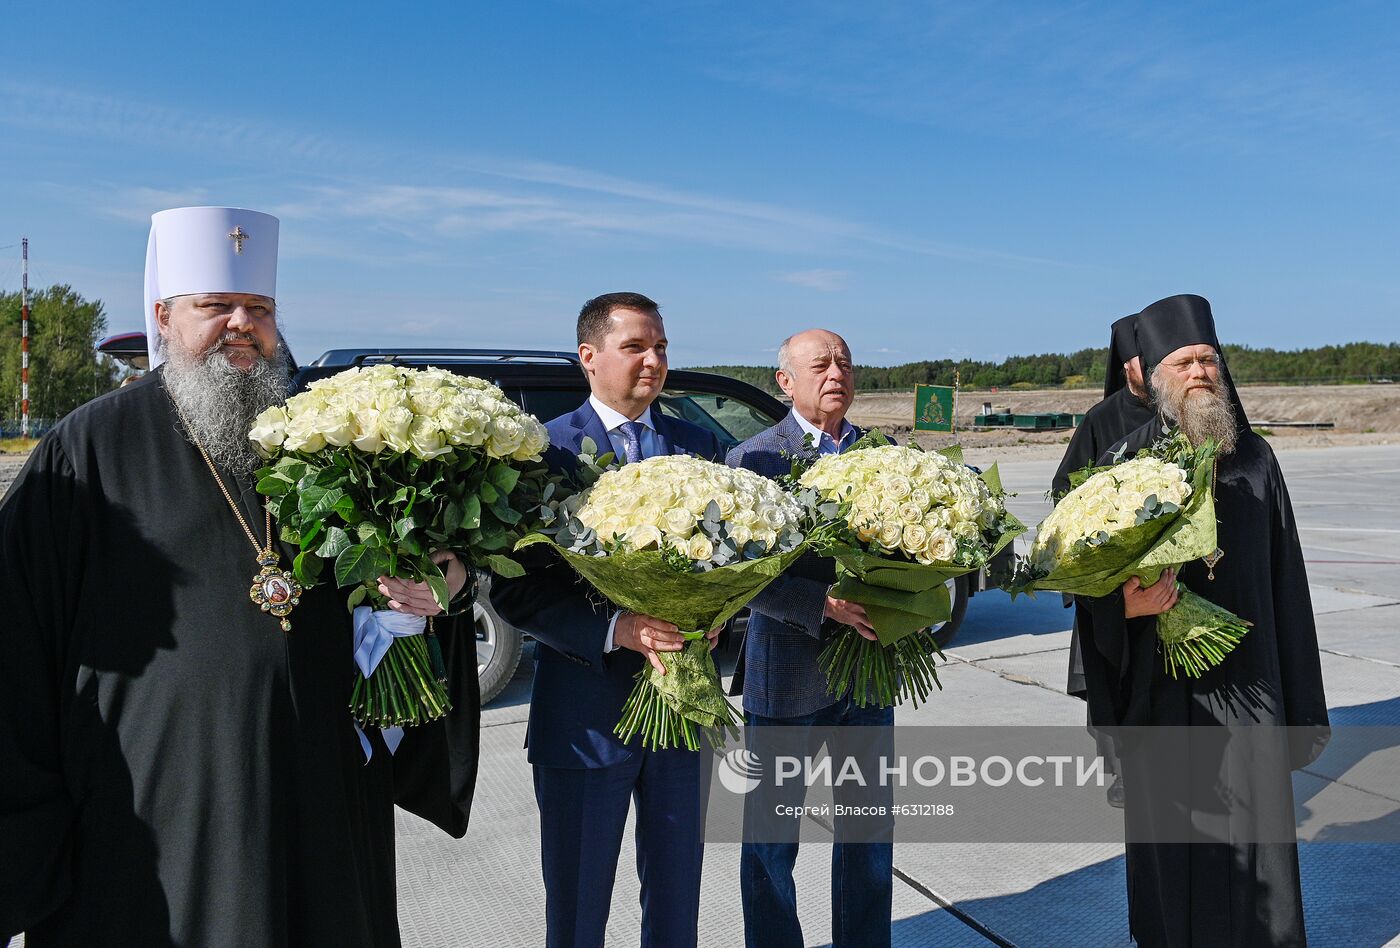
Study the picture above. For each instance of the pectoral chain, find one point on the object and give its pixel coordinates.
(274, 590)
(1210, 559)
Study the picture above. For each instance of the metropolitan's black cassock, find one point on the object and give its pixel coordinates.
(1104, 425)
(176, 769)
(1239, 891)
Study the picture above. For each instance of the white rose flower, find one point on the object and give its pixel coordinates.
(394, 423)
(670, 493)
(505, 436)
(700, 548)
(336, 426)
(727, 504)
(644, 536)
(426, 439)
(914, 538)
(941, 546)
(897, 487)
(301, 434)
(269, 430)
(679, 521)
(774, 517)
(1107, 501)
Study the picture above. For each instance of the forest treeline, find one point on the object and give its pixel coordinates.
(1351, 362)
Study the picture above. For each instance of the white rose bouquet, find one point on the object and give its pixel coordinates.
(374, 469)
(688, 541)
(908, 521)
(1138, 518)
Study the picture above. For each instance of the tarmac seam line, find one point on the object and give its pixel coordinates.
(1349, 786)
(1013, 677)
(951, 908)
(501, 723)
(1360, 658)
(1038, 651)
(1374, 605)
(928, 892)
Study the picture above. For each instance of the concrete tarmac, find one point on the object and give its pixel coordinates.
(1007, 666)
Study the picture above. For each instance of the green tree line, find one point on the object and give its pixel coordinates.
(64, 367)
(1350, 362)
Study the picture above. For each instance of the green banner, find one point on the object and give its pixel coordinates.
(933, 408)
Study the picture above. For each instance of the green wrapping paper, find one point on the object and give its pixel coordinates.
(901, 599)
(671, 710)
(1195, 634)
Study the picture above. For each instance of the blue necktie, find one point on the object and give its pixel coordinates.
(632, 440)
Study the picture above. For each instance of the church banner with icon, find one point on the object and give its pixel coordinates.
(933, 407)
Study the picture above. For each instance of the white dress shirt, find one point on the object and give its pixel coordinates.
(613, 420)
(824, 442)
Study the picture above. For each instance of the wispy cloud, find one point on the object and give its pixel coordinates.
(826, 281)
(1176, 76)
(88, 115)
(452, 196)
(137, 204)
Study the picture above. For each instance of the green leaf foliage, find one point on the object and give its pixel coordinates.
(383, 514)
(358, 563)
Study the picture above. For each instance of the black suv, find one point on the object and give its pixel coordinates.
(549, 384)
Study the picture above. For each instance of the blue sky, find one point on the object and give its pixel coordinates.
(930, 180)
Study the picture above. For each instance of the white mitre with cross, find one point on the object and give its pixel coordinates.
(207, 250)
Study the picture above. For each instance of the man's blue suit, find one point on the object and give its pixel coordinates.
(777, 672)
(585, 777)
(789, 712)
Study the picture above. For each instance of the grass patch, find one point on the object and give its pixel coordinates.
(1263, 432)
(17, 445)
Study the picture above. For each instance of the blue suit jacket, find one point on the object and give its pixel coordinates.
(778, 671)
(579, 690)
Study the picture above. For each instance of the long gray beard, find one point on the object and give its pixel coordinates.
(219, 400)
(1199, 415)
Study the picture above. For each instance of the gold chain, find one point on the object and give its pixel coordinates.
(274, 590)
(258, 550)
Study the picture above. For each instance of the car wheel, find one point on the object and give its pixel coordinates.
(498, 646)
(957, 591)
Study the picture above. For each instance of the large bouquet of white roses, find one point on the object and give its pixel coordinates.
(372, 471)
(909, 521)
(688, 541)
(1138, 518)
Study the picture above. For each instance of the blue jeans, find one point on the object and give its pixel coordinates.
(861, 871)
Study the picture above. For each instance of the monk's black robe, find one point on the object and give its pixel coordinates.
(176, 769)
(1104, 425)
(1236, 892)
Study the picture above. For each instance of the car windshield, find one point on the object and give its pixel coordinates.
(729, 418)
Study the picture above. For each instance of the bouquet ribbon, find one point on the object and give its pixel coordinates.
(375, 631)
